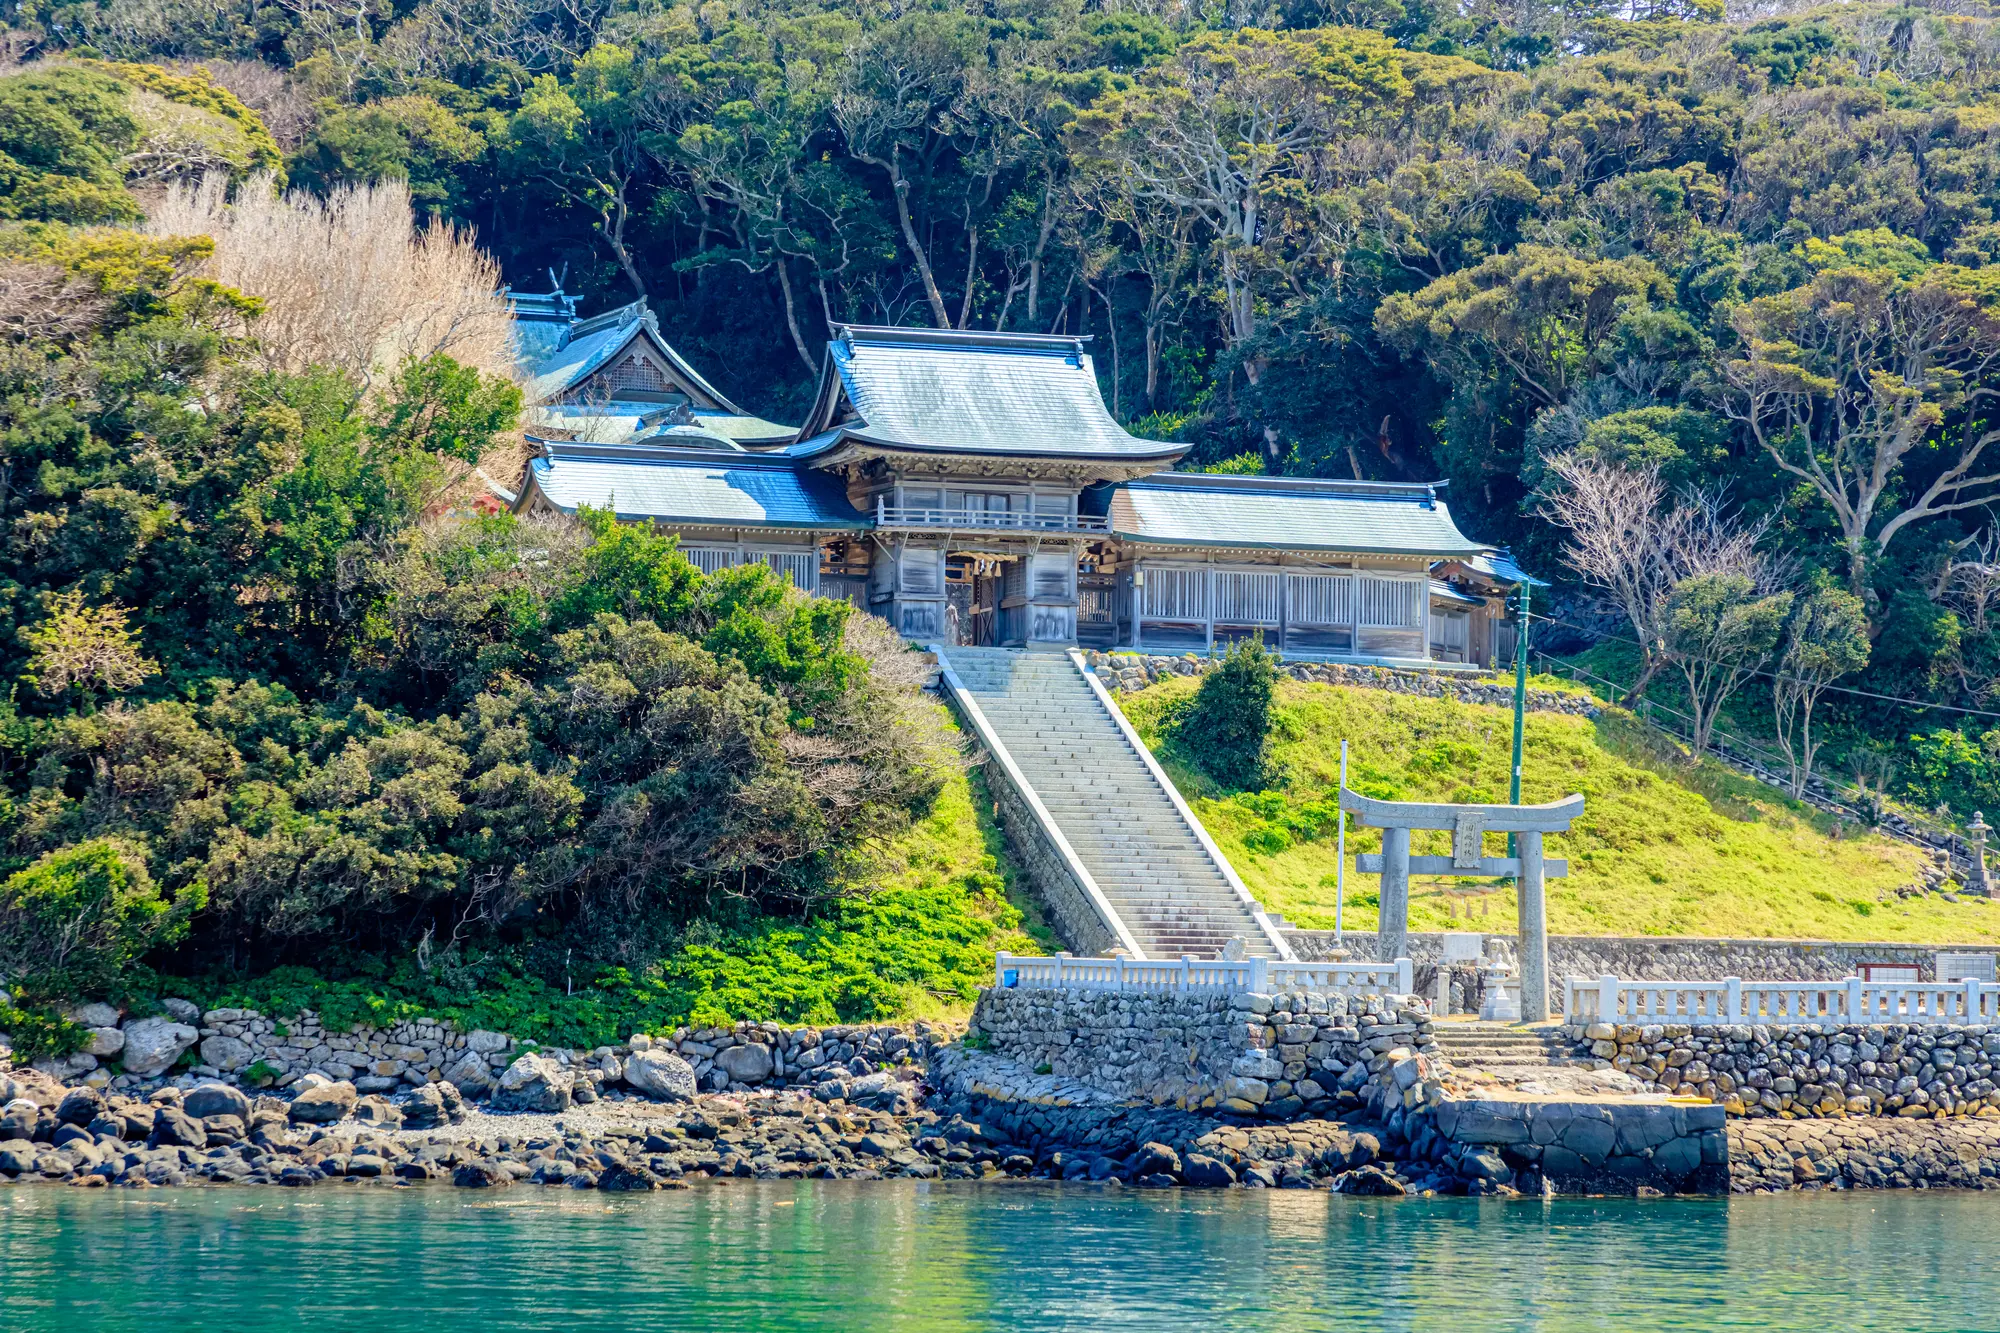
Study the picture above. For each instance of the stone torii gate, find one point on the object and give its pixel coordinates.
(1468, 824)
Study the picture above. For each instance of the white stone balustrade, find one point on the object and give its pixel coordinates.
(1780, 1003)
(1259, 975)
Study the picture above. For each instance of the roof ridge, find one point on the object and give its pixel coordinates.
(897, 335)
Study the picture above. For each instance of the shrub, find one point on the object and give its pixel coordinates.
(73, 921)
(1227, 732)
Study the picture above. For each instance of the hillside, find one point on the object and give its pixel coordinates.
(1662, 848)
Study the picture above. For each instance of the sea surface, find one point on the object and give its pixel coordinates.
(829, 1256)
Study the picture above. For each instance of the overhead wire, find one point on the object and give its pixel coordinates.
(1774, 675)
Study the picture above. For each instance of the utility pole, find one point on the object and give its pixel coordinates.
(1520, 690)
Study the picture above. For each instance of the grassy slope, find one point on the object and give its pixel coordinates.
(918, 948)
(1662, 848)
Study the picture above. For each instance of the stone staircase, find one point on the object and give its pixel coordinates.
(1125, 829)
(1501, 1050)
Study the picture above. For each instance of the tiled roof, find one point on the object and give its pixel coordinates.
(693, 486)
(1445, 592)
(1292, 514)
(594, 343)
(945, 392)
(1499, 566)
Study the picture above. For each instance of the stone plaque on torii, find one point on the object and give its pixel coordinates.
(1469, 824)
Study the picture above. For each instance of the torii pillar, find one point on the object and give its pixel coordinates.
(1468, 825)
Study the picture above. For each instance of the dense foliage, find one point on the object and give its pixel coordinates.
(260, 649)
(1390, 240)
(277, 691)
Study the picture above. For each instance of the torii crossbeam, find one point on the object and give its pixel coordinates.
(1468, 825)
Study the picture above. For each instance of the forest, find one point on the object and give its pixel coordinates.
(1696, 307)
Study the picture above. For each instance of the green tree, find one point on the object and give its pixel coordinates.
(1825, 638)
(1719, 632)
(1227, 730)
(75, 920)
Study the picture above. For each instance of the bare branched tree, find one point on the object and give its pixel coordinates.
(1627, 539)
(347, 280)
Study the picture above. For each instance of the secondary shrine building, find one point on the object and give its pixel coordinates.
(971, 488)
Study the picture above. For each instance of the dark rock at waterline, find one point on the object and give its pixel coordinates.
(216, 1099)
(480, 1175)
(1369, 1180)
(1155, 1159)
(1204, 1171)
(620, 1177)
(433, 1105)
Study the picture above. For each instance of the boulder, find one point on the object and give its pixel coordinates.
(533, 1083)
(487, 1043)
(224, 1128)
(324, 1104)
(750, 1064)
(432, 1105)
(98, 1015)
(1207, 1171)
(1155, 1159)
(480, 1176)
(378, 1111)
(619, 1176)
(470, 1074)
(178, 1128)
(1371, 1180)
(226, 1053)
(661, 1074)
(69, 1068)
(33, 1086)
(18, 1119)
(80, 1106)
(153, 1044)
(216, 1099)
(182, 1011)
(104, 1042)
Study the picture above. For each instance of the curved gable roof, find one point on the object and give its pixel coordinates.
(952, 392)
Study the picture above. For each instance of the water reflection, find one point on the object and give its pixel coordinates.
(826, 1256)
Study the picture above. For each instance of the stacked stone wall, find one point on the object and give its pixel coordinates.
(1268, 1056)
(1892, 1070)
(257, 1051)
(1135, 671)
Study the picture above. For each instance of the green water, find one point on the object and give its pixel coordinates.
(826, 1256)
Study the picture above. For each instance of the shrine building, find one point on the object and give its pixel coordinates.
(971, 488)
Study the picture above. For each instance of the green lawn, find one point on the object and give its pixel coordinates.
(1663, 847)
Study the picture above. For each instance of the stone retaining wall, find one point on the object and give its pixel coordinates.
(1268, 1056)
(1133, 671)
(1641, 958)
(1771, 1155)
(257, 1051)
(1581, 1147)
(1889, 1069)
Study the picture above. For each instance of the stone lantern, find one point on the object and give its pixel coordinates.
(1979, 828)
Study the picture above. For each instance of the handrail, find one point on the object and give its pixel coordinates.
(1188, 973)
(1733, 1000)
(1272, 934)
(1071, 861)
(911, 516)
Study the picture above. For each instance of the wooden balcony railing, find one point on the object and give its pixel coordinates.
(981, 520)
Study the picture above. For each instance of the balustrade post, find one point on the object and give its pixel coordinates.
(1259, 974)
(1187, 964)
(1607, 999)
(1857, 1005)
(1000, 967)
(1406, 981)
(1732, 998)
(1972, 999)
